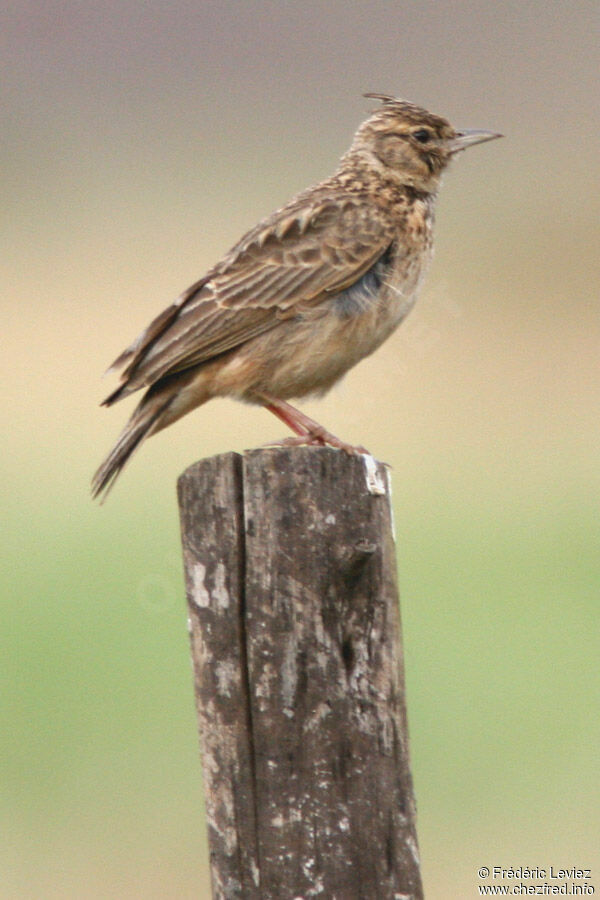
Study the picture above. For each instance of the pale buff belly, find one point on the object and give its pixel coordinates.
(308, 355)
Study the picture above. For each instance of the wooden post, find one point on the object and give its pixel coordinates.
(294, 621)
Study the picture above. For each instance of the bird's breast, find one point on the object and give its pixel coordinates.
(383, 296)
(353, 323)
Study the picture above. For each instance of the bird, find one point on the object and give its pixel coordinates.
(304, 295)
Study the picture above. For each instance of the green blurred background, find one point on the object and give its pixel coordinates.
(139, 141)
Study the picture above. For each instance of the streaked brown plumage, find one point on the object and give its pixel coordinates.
(303, 296)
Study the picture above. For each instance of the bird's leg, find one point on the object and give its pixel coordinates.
(288, 414)
(307, 430)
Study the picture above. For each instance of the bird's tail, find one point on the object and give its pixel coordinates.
(147, 418)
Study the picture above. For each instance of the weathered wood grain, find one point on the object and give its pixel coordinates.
(304, 738)
(212, 525)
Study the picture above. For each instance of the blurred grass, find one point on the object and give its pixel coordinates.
(101, 763)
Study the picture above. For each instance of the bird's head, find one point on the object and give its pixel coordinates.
(412, 145)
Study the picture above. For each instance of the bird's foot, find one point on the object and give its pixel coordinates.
(326, 439)
(308, 432)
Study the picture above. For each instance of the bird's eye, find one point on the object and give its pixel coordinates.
(422, 135)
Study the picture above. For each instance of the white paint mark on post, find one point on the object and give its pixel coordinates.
(200, 596)
(220, 591)
(388, 479)
(226, 677)
(375, 483)
(412, 846)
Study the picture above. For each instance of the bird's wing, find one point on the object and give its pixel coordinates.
(302, 254)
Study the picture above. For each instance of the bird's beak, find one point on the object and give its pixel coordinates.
(466, 139)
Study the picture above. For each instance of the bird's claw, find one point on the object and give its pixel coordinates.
(318, 440)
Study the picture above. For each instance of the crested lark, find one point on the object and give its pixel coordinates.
(304, 295)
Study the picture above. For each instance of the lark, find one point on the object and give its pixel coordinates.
(305, 294)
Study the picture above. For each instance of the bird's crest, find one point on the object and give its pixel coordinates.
(396, 107)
